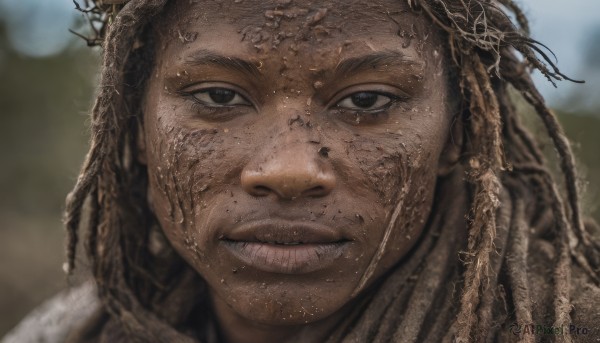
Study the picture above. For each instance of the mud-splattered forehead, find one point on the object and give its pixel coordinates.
(265, 25)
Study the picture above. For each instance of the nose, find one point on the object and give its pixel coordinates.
(290, 173)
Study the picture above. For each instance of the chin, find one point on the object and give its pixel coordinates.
(282, 301)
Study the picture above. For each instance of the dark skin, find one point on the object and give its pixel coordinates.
(285, 141)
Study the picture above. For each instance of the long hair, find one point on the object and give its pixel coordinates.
(139, 279)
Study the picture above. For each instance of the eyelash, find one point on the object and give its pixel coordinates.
(227, 112)
(357, 116)
(218, 113)
(392, 100)
(214, 111)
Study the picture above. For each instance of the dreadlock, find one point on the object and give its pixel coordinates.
(140, 283)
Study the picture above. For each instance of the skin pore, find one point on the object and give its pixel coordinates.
(283, 138)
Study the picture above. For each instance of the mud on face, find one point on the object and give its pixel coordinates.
(282, 136)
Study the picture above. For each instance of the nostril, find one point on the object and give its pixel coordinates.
(324, 151)
(260, 190)
(315, 192)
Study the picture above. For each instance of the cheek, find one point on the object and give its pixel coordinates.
(184, 168)
(394, 166)
(403, 174)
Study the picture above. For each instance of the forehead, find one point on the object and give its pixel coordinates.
(285, 14)
(294, 26)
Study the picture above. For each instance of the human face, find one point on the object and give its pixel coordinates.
(284, 137)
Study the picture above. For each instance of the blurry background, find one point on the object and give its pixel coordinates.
(47, 79)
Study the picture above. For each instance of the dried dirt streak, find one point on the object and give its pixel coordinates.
(383, 245)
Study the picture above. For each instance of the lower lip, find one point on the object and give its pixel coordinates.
(286, 259)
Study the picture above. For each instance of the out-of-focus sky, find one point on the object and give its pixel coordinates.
(39, 28)
(572, 30)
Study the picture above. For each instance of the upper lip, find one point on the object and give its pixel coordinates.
(284, 232)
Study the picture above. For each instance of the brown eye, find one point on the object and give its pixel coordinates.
(366, 101)
(219, 97)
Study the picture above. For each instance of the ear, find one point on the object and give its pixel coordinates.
(450, 156)
(140, 142)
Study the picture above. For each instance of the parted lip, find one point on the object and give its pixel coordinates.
(284, 246)
(275, 231)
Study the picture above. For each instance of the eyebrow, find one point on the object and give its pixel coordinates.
(358, 64)
(347, 66)
(207, 57)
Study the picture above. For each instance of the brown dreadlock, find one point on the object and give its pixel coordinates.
(140, 284)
